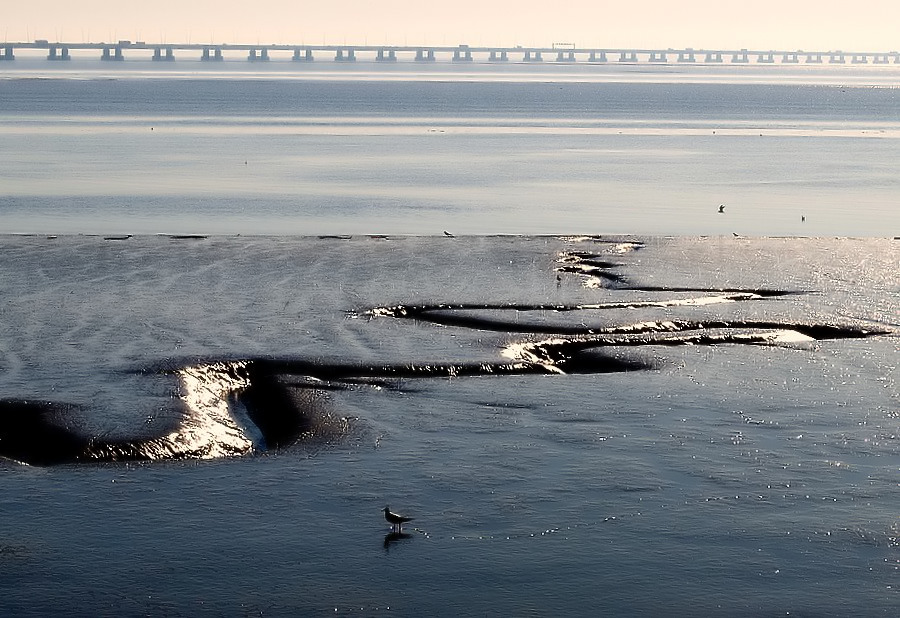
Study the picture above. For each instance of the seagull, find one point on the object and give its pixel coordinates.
(721, 207)
(395, 520)
(448, 234)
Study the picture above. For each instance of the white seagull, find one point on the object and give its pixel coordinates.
(395, 520)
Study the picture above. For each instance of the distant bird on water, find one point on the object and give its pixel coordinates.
(448, 234)
(721, 207)
(395, 519)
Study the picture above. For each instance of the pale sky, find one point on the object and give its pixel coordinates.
(822, 25)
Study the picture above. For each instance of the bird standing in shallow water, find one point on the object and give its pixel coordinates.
(395, 520)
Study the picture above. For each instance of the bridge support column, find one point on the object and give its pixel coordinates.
(158, 55)
(345, 55)
(212, 54)
(740, 57)
(881, 59)
(463, 54)
(301, 55)
(658, 57)
(112, 53)
(384, 55)
(836, 58)
(713, 57)
(597, 57)
(813, 58)
(261, 56)
(860, 59)
(790, 58)
(7, 53)
(628, 57)
(687, 55)
(56, 53)
(766, 58)
(500, 56)
(533, 57)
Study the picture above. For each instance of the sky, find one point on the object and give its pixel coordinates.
(722, 24)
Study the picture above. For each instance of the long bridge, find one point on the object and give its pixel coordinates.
(564, 53)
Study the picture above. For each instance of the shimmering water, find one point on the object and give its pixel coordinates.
(622, 424)
(655, 472)
(520, 149)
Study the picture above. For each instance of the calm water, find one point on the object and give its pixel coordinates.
(623, 424)
(518, 149)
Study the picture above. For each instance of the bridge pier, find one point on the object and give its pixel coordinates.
(7, 53)
(790, 58)
(158, 54)
(565, 56)
(533, 58)
(686, 55)
(658, 57)
(881, 59)
(302, 55)
(595, 57)
(713, 57)
(860, 59)
(215, 56)
(112, 53)
(628, 57)
(836, 58)
(263, 55)
(813, 58)
(740, 57)
(390, 56)
(345, 55)
(424, 55)
(56, 53)
(463, 54)
(765, 58)
(498, 57)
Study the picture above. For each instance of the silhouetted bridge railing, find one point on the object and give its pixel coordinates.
(460, 53)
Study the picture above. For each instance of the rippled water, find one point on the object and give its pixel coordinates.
(631, 425)
(214, 374)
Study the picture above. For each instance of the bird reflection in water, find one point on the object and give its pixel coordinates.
(393, 537)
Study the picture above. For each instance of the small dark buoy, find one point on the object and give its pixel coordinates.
(802, 218)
